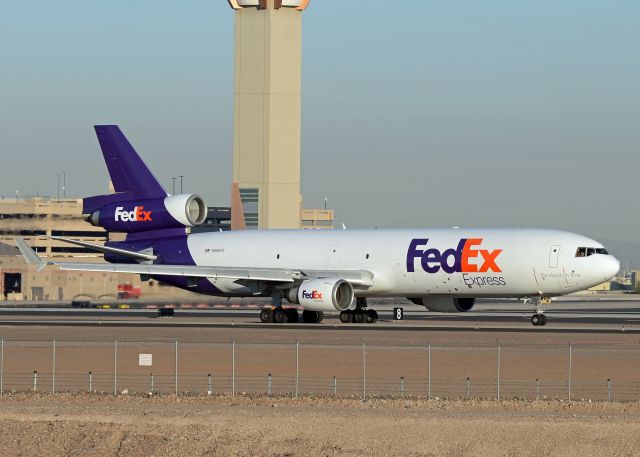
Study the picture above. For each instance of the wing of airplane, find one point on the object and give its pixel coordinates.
(359, 278)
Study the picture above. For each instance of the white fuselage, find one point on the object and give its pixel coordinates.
(495, 263)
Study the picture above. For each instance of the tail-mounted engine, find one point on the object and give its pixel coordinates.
(151, 214)
(325, 294)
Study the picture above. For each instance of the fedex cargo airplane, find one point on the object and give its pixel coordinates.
(444, 270)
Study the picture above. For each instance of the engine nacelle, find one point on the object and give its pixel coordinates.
(152, 214)
(445, 304)
(325, 294)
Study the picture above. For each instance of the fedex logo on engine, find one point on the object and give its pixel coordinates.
(466, 258)
(137, 215)
(313, 295)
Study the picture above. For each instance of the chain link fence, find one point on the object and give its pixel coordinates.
(368, 370)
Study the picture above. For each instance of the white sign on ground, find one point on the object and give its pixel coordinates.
(145, 360)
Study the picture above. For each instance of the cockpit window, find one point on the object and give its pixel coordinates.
(586, 252)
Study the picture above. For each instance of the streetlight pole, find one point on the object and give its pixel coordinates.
(58, 175)
(181, 176)
(64, 184)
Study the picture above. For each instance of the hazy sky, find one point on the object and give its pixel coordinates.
(415, 113)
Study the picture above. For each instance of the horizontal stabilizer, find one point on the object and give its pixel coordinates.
(29, 254)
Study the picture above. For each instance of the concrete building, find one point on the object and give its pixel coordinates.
(317, 219)
(267, 118)
(35, 218)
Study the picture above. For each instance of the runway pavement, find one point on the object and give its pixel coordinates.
(596, 316)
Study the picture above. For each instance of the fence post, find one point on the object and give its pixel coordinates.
(2, 367)
(364, 371)
(609, 389)
(297, 367)
(402, 385)
(429, 375)
(176, 376)
(209, 391)
(233, 368)
(467, 391)
(152, 383)
(269, 384)
(90, 382)
(570, 370)
(35, 380)
(335, 386)
(115, 367)
(537, 389)
(53, 369)
(499, 357)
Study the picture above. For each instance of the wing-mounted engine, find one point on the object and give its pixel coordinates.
(444, 303)
(174, 211)
(324, 294)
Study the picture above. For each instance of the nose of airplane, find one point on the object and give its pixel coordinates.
(610, 266)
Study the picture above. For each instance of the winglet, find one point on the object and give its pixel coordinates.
(29, 254)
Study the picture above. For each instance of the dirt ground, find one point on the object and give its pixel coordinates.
(127, 425)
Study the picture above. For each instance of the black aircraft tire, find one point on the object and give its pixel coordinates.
(312, 317)
(372, 316)
(346, 317)
(292, 315)
(309, 317)
(358, 317)
(279, 317)
(266, 316)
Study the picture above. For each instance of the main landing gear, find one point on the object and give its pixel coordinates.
(279, 315)
(359, 315)
(276, 314)
(538, 317)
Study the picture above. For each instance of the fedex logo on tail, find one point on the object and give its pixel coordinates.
(466, 258)
(137, 215)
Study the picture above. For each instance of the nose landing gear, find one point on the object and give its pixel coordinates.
(538, 318)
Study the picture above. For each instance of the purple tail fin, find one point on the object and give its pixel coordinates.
(130, 176)
(127, 170)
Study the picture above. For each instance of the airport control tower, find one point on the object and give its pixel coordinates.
(267, 104)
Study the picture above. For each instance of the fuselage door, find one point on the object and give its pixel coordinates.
(554, 252)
